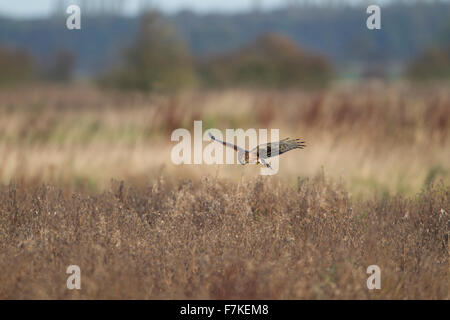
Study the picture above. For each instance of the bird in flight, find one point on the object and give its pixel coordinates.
(263, 151)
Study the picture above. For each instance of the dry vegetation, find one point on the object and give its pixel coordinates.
(371, 188)
(387, 139)
(221, 240)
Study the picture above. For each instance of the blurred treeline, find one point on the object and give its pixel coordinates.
(18, 66)
(159, 60)
(434, 63)
(307, 46)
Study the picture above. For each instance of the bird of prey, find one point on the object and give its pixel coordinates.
(259, 154)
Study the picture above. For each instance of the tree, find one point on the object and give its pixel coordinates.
(433, 63)
(273, 60)
(158, 61)
(17, 66)
(61, 67)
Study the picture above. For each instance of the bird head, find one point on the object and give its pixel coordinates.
(241, 158)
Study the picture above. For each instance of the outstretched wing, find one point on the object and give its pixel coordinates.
(230, 145)
(273, 149)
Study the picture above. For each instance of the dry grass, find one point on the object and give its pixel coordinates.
(215, 239)
(388, 139)
(370, 188)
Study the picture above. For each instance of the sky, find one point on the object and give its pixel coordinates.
(33, 8)
(42, 8)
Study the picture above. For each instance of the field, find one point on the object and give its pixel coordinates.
(86, 179)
